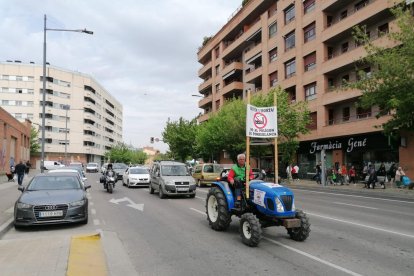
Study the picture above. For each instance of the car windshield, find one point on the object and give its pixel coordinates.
(119, 166)
(212, 168)
(138, 171)
(92, 165)
(174, 170)
(54, 183)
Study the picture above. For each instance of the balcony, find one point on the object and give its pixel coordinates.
(204, 117)
(206, 84)
(236, 47)
(235, 65)
(253, 53)
(205, 70)
(253, 74)
(205, 101)
(235, 86)
(355, 17)
(338, 94)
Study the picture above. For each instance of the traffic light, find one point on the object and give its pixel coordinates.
(152, 140)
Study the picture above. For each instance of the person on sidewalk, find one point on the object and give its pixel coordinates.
(398, 176)
(28, 166)
(318, 174)
(20, 170)
(391, 173)
(343, 174)
(11, 163)
(352, 175)
(372, 177)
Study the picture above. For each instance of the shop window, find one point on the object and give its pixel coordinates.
(345, 114)
(289, 14)
(272, 30)
(309, 32)
(310, 91)
(290, 68)
(310, 61)
(308, 6)
(273, 79)
(273, 55)
(290, 41)
(363, 112)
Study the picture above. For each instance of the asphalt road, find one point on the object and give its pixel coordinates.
(350, 235)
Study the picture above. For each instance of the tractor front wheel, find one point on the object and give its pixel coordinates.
(250, 229)
(300, 233)
(218, 216)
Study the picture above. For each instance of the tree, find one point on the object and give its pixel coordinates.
(138, 157)
(180, 137)
(34, 141)
(390, 85)
(122, 153)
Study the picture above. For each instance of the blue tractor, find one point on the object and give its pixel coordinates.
(268, 204)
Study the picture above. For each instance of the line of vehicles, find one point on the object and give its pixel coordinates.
(59, 196)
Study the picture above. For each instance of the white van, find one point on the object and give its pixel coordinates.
(50, 165)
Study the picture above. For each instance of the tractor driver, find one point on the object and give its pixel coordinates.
(238, 171)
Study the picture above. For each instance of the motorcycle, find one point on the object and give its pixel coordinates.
(109, 181)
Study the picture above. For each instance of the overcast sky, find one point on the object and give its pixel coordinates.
(142, 52)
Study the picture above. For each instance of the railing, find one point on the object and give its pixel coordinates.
(338, 18)
(349, 119)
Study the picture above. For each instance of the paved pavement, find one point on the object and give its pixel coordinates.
(53, 255)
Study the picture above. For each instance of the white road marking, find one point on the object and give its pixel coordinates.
(96, 222)
(6, 224)
(362, 225)
(313, 257)
(369, 197)
(300, 252)
(353, 205)
(198, 211)
(202, 198)
(93, 211)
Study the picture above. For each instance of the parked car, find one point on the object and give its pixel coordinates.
(136, 176)
(78, 172)
(50, 165)
(206, 173)
(52, 199)
(120, 169)
(171, 178)
(92, 167)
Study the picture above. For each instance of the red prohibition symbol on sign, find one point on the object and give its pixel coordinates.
(259, 120)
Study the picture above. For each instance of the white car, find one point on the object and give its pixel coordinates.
(92, 167)
(81, 177)
(136, 176)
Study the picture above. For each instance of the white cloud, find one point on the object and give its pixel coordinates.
(142, 52)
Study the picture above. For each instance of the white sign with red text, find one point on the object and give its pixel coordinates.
(261, 122)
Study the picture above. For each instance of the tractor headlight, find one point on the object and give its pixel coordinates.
(279, 205)
(293, 206)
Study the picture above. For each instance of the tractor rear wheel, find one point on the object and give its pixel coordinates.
(250, 229)
(218, 216)
(300, 233)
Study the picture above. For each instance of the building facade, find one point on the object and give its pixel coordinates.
(82, 120)
(16, 140)
(307, 48)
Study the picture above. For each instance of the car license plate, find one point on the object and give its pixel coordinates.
(182, 189)
(51, 214)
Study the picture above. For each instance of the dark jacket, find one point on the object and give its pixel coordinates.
(20, 168)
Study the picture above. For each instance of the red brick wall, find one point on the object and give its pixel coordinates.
(406, 155)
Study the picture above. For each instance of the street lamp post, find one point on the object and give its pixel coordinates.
(42, 161)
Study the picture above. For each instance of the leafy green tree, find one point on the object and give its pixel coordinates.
(123, 153)
(34, 141)
(180, 137)
(138, 157)
(390, 85)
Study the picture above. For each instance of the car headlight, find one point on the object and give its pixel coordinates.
(21, 205)
(169, 183)
(279, 205)
(77, 203)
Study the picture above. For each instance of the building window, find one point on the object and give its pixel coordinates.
(361, 4)
(363, 112)
(383, 29)
(344, 80)
(331, 120)
(308, 6)
(273, 55)
(344, 47)
(310, 61)
(272, 30)
(345, 114)
(217, 52)
(330, 52)
(313, 124)
(290, 68)
(310, 91)
(309, 32)
(290, 41)
(289, 14)
(218, 88)
(343, 15)
(273, 79)
(217, 70)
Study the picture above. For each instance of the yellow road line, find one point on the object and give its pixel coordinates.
(86, 256)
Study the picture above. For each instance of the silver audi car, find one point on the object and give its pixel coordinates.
(52, 199)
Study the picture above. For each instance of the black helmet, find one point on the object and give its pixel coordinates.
(110, 166)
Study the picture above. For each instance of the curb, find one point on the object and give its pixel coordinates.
(6, 226)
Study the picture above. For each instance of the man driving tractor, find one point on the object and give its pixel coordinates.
(238, 174)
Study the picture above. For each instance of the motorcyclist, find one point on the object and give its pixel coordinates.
(109, 172)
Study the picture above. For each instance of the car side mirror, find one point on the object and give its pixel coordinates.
(20, 188)
(87, 186)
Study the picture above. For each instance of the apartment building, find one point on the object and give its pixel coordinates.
(82, 119)
(306, 47)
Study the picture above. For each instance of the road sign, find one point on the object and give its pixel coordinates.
(261, 122)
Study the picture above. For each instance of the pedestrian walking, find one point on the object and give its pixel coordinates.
(352, 175)
(391, 173)
(372, 177)
(295, 172)
(28, 166)
(20, 170)
(318, 173)
(11, 163)
(398, 176)
(343, 175)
